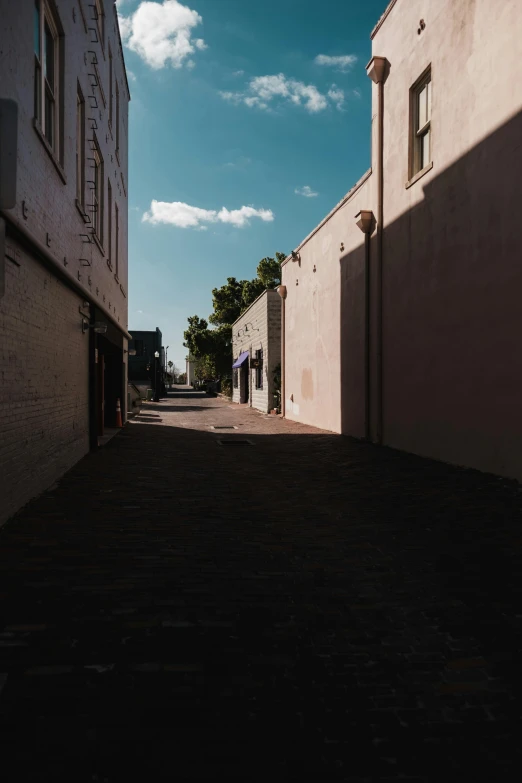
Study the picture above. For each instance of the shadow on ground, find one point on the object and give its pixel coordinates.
(304, 608)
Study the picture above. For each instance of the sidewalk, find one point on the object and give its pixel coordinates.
(302, 607)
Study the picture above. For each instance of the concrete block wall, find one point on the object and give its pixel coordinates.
(43, 382)
(263, 319)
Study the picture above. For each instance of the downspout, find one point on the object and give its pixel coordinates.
(281, 290)
(365, 221)
(377, 71)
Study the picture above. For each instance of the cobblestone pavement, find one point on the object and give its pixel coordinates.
(305, 608)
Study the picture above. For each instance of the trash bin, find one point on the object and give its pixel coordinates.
(150, 394)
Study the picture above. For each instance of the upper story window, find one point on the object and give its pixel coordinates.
(117, 239)
(421, 125)
(138, 345)
(100, 20)
(80, 148)
(97, 192)
(109, 224)
(111, 92)
(117, 121)
(47, 74)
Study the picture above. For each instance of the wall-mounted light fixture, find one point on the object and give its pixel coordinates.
(99, 326)
(296, 256)
(246, 330)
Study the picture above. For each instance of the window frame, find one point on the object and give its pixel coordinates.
(80, 147)
(100, 21)
(116, 239)
(46, 93)
(418, 134)
(97, 192)
(117, 122)
(109, 224)
(111, 88)
(236, 378)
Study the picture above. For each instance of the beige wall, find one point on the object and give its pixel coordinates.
(313, 319)
(263, 318)
(452, 376)
(44, 389)
(451, 281)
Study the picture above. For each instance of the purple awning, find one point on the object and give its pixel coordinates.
(239, 361)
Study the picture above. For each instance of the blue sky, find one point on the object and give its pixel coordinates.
(236, 105)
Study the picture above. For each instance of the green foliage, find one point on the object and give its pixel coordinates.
(212, 347)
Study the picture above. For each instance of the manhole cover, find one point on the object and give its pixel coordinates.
(235, 442)
(223, 427)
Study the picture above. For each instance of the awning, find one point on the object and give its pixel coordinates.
(239, 361)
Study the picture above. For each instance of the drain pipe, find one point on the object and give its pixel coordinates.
(377, 71)
(281, 290)
(365, 221)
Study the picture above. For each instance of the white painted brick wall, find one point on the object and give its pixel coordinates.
(263, 318)
(43, 383)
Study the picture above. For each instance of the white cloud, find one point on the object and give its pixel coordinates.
(131, 75)
(337, 96)
(238, 73)
(162, 32)
(176, 213)
(306, 191)
(341, 63)
(263, 90)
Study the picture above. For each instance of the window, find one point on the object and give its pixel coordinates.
(117, 121)
(117, 238)
(236, 379)
(421, 114)
(109, 224)
(259, 369)
(138, 345)
(47, 74)
(110, 89)
(80, 148)
(100, 20)
(97, 192)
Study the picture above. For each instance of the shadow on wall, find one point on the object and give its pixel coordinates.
(451, 315)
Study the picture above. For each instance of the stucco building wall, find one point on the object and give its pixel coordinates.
(263, 319)
(315, 377)
(45, 388)
(451, 316)
(452, 376)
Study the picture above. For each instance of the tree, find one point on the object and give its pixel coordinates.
(212, 347)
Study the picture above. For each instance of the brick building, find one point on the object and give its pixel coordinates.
(256, 348)
(63, 313)
(403, 308)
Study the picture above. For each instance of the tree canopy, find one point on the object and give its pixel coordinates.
(212, 347)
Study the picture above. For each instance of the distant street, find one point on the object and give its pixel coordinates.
(261, 602)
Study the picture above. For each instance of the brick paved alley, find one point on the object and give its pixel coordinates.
(304, 608)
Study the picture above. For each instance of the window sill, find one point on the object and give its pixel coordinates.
(116, 278)
(50, 151)
(82, 212)
(100, 246)
(419, 175)
(116, 152)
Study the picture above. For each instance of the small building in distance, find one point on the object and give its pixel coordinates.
(142, 350)
(190, 370)
(256, 350)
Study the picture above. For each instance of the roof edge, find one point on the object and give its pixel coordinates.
(266, 291)
(366, 176)
(382, 20)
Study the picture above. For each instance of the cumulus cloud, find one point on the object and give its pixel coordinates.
(263, 91)
(306, 191)
(161, 33)
(341, 63)
(176, 213)
(337, 96)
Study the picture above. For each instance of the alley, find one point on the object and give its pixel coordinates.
(218, 594)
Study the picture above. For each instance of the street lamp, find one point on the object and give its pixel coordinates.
(156, 383)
